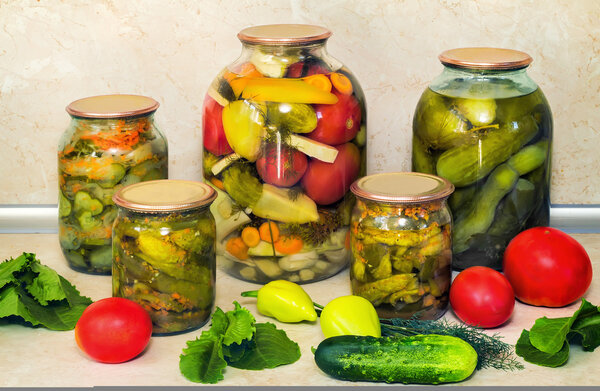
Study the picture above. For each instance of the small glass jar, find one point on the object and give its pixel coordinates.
(400, 236)
(112, 141)
(164, 252)
(484, 125)
(284, 135)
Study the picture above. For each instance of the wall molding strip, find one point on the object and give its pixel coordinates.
(28, 219)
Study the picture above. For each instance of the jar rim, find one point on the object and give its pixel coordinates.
(284, 34)
(112, 106)
(165, 195)
(402, 187)
(486, 58)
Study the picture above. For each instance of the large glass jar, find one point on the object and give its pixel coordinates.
(400, 237)
(284, 137)
(164, 252)
(112, 141)
(484, 125)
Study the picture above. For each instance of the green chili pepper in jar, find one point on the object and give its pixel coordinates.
(350, 315)
(285, 301)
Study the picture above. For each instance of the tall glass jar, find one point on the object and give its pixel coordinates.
(112, 141)
(284, 137)
(484, 125)
(400, 237)
(164, 252)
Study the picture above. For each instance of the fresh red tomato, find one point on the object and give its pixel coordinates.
(281, 166)
(213, 134)
(481, 296)
(327, 183)
(113, 330)
(547, 267)
(337, 123)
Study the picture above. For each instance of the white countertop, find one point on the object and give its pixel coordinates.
(37, 357)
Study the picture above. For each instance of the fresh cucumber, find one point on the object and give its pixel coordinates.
(425, 359)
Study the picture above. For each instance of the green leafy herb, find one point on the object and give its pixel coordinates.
(271, 348)
(547, 343)
(530, 353)
(36, 294)
(492, 352)
(235, 339)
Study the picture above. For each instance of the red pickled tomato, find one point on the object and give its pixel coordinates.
(337, 123)
(281, 166)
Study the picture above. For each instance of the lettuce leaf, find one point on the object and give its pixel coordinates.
(235, 339)
(36, 294)
(272, 348)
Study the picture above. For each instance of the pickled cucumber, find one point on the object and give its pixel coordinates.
(481, 215)
(293, 117)
(439, 126)
(468, 163)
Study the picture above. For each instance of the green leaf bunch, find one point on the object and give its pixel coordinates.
(35, 294)
(235, 339)
(547, 343)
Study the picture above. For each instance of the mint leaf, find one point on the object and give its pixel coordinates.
(240, 327)
(272, 348)
(10, 267)
(530, 353)
(202, 361)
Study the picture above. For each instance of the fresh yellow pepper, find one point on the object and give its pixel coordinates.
(350, 315)
(285, 301)
(262, 89)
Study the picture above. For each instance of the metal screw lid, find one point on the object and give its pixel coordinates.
(284, 34)
(485, 58)
(112, 106)
(402, 187)
(165, 195)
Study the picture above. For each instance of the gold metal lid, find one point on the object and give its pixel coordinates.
(283, 34)
(485, 58)
(165, 195)
(402, 187)
(112, 106)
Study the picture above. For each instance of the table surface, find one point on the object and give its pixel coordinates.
(37, 357)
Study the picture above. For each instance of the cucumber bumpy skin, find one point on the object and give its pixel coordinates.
(423, 359)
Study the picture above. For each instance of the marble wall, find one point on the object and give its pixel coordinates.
(55, 51)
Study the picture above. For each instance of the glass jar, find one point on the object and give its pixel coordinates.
(400, 238)
(164, 252)
(112, 141)
(284, 137)
(484, 125)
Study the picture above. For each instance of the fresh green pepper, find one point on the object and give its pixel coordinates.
(285, 301)
(350, 315)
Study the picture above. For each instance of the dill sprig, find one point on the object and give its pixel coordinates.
(492, 352)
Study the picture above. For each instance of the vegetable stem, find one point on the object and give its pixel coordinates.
(250, 294)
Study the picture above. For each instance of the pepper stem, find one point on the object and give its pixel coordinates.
(250, 294)
(318, 305)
